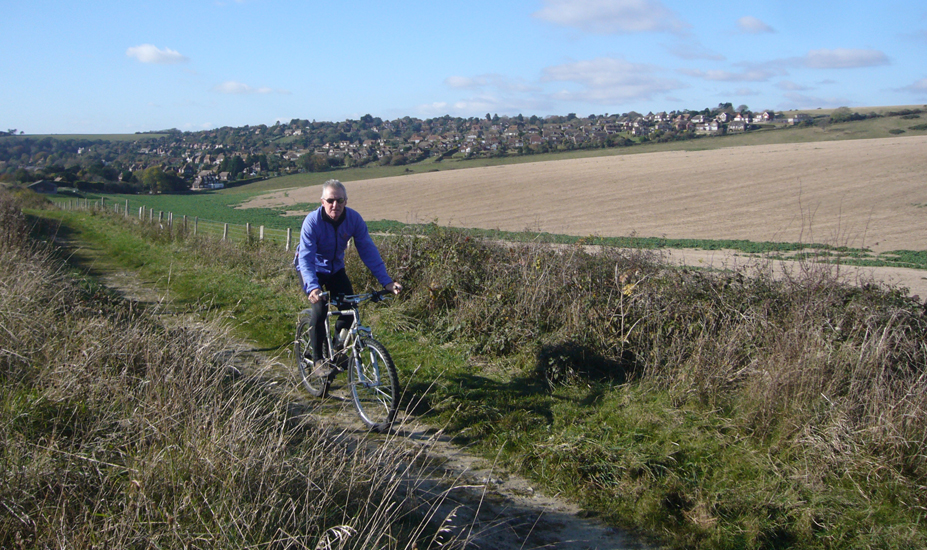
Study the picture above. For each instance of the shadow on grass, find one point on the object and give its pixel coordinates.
(475, 406)
(570, 362)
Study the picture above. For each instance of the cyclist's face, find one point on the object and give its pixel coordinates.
(333, 201)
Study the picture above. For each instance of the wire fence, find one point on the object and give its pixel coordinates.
(190, 225)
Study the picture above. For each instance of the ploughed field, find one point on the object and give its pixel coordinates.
(858, 193)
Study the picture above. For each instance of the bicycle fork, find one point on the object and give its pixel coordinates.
(367, 377)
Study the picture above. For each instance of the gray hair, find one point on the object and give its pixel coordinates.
(334, 184)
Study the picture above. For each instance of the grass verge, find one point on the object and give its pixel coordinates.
(709, 410)
(221, 208)
(119, 432)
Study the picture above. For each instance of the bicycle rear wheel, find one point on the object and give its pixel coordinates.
(374, 384)
(316, 385)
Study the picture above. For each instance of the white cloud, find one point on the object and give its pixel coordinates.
(147, 53)
(748, 75)
(611, 16)
(752, 25)
(844, 59)
(692, 49)
(497, 81)
(609, 81)
(791, 86)
(485, 103)
(232, 87)
(462, 82)
(919, 87)
(801, 101)
(436, 109)
(916, 36)
(493, 93)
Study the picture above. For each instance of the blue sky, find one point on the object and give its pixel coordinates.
(125, 66)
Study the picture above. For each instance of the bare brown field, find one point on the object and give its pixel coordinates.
(859, 193)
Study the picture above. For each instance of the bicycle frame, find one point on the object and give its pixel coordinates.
(372, 379)
(355, 331)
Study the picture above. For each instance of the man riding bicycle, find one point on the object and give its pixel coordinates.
(320, 261)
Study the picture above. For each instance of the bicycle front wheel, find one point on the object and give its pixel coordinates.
(374, 384)
(316, 385)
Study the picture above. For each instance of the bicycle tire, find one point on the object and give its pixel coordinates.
(315, 385)
(376, 396)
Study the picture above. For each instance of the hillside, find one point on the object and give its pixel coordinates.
(857, 193)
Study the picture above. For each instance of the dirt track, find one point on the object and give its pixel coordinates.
(488, 507)
(858, 193)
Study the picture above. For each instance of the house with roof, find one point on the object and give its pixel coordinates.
(737, 126)
(44, 186)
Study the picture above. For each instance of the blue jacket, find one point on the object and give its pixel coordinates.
(322, 243)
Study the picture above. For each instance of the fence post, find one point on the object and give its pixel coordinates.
(225, 232)
(247, 231)
(170, 220)
(289, 235)
(261, 234)
(141, 213)
(160, 217)
(127, 208)
(196, 224)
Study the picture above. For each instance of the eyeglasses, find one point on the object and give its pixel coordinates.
(339, 200)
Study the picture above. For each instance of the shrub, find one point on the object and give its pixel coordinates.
(118, 432)
(789, 354)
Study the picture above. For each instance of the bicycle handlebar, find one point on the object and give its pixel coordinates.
(357, 299)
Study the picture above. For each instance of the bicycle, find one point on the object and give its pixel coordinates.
(372, 379)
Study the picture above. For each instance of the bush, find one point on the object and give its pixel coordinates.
(730, 409)
(767, 347)
(118, 432)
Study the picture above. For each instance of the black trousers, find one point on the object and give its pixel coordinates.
(336, 284)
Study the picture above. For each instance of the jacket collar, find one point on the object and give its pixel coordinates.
(327, 218)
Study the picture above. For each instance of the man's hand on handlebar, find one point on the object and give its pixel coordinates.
(316, 295)
(394, 287)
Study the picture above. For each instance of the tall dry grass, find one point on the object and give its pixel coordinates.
(835, 372)
(117, 432)
(817, 386)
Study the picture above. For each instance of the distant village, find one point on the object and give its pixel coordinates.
(174, 161)
(481, 138)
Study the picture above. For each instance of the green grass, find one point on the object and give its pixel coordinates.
(120, 431)
(209, 206)
(201, 278)
(221, 208)
(660, 438)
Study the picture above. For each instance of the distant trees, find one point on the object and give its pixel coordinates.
(156, 180)
(95, 163)
(844, 114)
(234, 165)
(315, 162)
